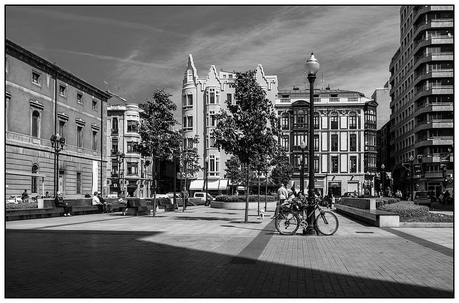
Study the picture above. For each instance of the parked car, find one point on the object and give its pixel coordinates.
(14, 199)
(171, 195)
(202, 196)
(422, 198)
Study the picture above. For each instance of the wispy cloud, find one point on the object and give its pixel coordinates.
(61, 15)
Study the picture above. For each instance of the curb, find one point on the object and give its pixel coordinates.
(426, 224)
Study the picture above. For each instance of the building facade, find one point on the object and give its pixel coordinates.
(344, 138)
(202, 99)
(128, 170)
(422, 87)
(42, 101)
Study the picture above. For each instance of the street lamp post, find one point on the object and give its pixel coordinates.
(311, 68)
(119, 158)
(303, 147)
(411, 177)
(206, 165)
(57, 143)
(383, 177)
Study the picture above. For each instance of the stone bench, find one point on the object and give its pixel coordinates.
(364, 209)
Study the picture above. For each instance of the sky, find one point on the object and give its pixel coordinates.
(134, 50)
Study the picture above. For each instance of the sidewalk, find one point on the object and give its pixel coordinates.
(206, 252)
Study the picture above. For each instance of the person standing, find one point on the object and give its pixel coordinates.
(59, 202)
(282, 194)
(184, 198)
(25, 196)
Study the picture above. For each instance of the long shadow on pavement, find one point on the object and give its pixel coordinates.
(102, 264)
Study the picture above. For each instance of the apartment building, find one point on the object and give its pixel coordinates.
(44, 102)
(422, 88)
(344, 138)
(202, 98)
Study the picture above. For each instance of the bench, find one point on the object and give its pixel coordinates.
(364, 209)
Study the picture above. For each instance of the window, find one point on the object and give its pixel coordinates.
(34, 185)
(316, 121)
(211, 95)
(214, 165)
(189, 100)
(79, 188)
(114, 147)
(62, 129)
(131, 126)
(188, 122)
(300, 118)
(80, 98)
(114, 125)
(79, 136)
(334, 121)
(334, 142)
(132, 168)
(334, 162)
(229, 98)
(316, 142)
(353, 142)
(284, 121)
(213, 119)
(316, 164)
(353, 164)
(353, 121)
(36, 78)
(62, 90)
(94, 140)
(284, 142)
(130, 147)
(94, 104)
(35, 124)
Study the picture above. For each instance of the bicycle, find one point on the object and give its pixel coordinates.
(290, 217)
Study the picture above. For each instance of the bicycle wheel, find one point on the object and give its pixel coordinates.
(327, 223)
(287, 223)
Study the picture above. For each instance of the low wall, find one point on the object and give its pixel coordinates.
(361, 203)
(253, 205)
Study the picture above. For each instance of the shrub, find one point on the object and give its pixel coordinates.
(22, 205)
(242, 198)
(406, 209)
(386, 200)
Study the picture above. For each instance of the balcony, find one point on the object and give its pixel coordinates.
(428, 57)
(422, 9)
(439, 73)
(434, 107)
(434, 123)
(438, 40)
(434, 23)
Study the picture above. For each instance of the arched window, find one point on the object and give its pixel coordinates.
(352, 120)
(334, 120)
(35, 124)
(34, 185)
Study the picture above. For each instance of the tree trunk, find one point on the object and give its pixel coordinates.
(246, 217)
(154, 185)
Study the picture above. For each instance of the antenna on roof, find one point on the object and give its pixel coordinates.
(322, 80)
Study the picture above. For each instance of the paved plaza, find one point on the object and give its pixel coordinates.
(207, 252)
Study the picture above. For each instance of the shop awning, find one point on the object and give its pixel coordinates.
(213, 185)
(223, 184)
(197, 185)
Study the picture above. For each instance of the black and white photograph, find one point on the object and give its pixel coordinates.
(228, 151)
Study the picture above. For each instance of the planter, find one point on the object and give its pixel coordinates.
(253, 205)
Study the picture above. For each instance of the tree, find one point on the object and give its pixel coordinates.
(283, 170)
(249, 128)
(158, 140)
(188, 154)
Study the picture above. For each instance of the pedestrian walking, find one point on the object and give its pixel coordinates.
(185, 197)
(59, 202)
